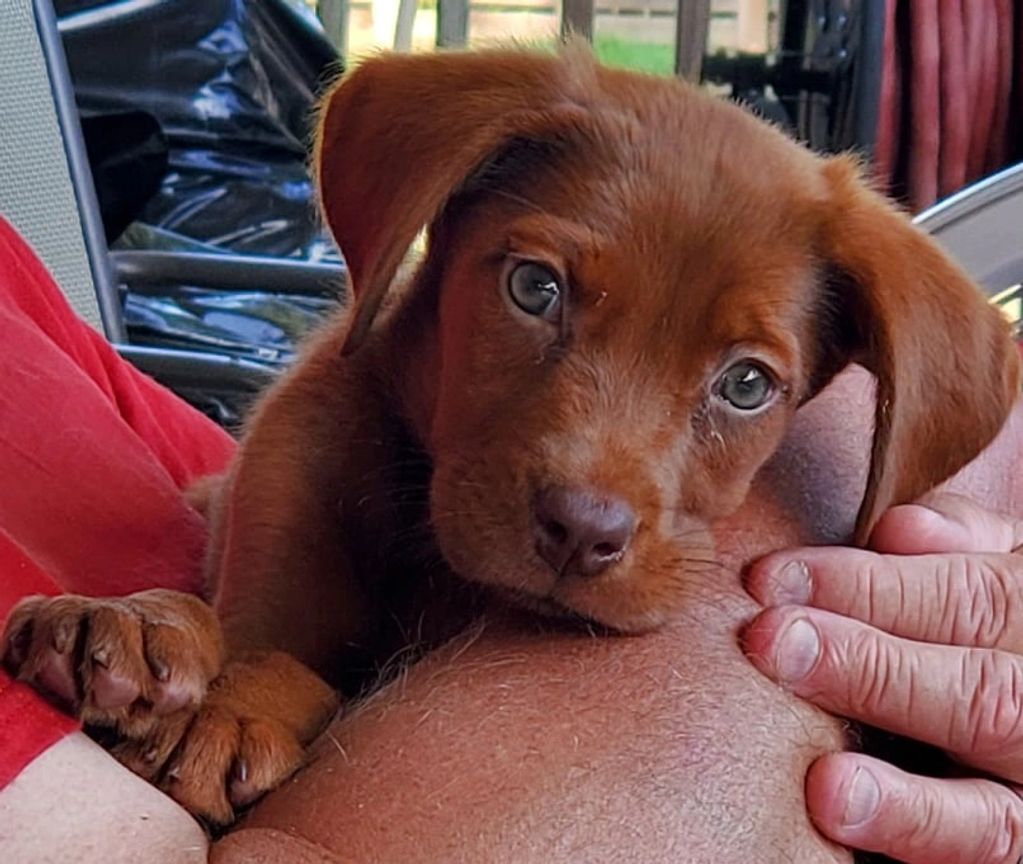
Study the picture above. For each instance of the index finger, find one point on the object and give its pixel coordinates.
(970, 600)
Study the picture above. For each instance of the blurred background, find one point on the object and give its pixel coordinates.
(194, 117)
(639, 34)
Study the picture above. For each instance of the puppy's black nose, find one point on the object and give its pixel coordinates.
(580, 532)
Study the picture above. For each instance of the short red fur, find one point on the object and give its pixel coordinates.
(427, 422)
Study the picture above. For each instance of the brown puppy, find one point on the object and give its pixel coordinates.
(629, 288)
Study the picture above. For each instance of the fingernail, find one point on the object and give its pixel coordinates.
(791, 584)
(862, 799)
(798, 650)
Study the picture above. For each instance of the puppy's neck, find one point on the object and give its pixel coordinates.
(410, 352)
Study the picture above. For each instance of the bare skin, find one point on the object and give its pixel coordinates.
(520, 743)
(75, 802)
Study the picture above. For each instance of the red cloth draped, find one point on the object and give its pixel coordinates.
(93, 457)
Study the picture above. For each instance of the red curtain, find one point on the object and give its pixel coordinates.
(951, 95)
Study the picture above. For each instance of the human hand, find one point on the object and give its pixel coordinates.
(923, 637)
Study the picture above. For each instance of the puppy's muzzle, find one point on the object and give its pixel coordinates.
(580, 532)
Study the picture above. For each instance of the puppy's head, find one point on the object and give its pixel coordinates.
(630, 288)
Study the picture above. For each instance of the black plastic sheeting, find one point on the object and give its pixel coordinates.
(260, 326)
(232, 86)
(197, 116)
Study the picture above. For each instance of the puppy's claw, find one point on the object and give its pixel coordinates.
(241, 791)
(236, 749)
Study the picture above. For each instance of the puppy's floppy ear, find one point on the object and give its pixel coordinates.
(398, 136)
(947, 369)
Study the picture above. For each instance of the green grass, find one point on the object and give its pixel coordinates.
(653, 57)
(641, 56)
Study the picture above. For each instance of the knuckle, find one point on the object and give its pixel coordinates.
(874, 667)
(999, 816)
(950, 583)
(984, 616)
(1005, 816)
(927, 820)
(866, 579)
(878, 591)
(993, 719)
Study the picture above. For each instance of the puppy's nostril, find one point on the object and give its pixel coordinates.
(555, 531)
(579, 532)
(607, 550)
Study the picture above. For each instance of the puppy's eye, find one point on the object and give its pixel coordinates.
(746, 386)
(534, 288)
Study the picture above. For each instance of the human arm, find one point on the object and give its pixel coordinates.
(75, 802)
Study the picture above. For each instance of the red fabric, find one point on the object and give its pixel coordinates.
(28, 725)
(93, 457)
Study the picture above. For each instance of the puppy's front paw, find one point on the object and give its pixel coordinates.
(228, 759)
(248, 737)
(123, 663)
